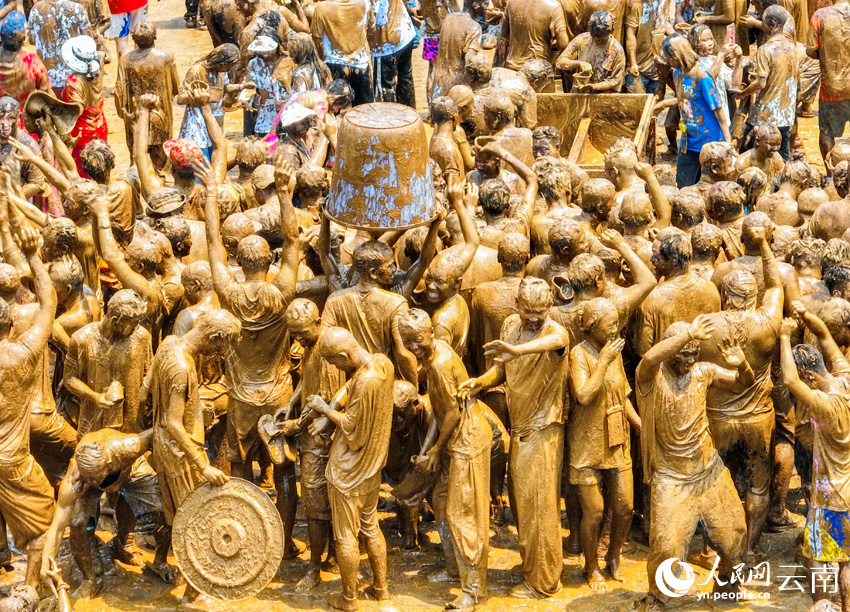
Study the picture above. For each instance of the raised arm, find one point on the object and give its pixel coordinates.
(25, 154)
(587, 385)
(61, 152)
(218, 158)
(529, 197)
(471, 239)
(644, 279)
(112, 255)
(790, 377)
(330, 268)
(830, 349)
(663, 211)
(148, 177)
(426, 255)
(11, 253)
(221, 276)
(36, 337)
(773, 296)
(701, 329)
(287, 278)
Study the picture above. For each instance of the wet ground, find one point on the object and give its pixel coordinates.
(127, 590)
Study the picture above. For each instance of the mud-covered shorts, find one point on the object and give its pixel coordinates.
(833, 115)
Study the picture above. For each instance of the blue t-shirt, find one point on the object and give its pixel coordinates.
(700, 101)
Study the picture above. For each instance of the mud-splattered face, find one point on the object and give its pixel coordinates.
(8, 124)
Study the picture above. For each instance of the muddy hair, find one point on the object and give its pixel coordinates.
(513, 252)
(808, 358)
(706, 241)
(534, 293)
(443, 109)
(836, 253)
(553, 178)
(550, 133)
(97, 160)
(371, 255)
(223, 55)
(837, 279)
(494, 196)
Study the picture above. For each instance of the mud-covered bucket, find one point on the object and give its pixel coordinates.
(381, 178)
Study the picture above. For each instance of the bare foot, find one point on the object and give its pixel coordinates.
(443, 575)
(595, 580)
(338, 602)
(6, 558)
(294, 549)
(463, 602)
(329, 565)
(124, 554)
(704, 559)
(309, 581)
(88, 588)
(651, 604)
(190, 595)
(523, 591)
(377, 593)
(161, 571)
(613, 565)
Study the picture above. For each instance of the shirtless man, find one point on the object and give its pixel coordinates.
(530, 359)
(77, 302)
(147, 70)
(461, 454)
(178, 425)
(781, 206)
(681, 296)
(742, 422)
(725, 206)
(357, 455)
(832, 219)
(106, 461)
(556, 190)
(765, 152)
(258, 367)
(567, 238)
(688, 481)
(369, 310)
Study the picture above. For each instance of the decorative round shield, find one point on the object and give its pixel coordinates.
(228, 540)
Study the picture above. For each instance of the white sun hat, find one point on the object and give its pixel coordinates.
(80, 55)
(263, 44)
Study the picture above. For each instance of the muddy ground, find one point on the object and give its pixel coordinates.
(127, 590)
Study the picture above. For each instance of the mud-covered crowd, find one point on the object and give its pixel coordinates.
(662, 344)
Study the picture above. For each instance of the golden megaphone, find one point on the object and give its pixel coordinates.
(40, 104)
